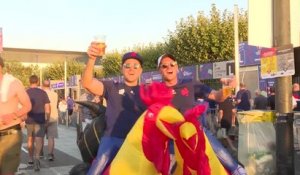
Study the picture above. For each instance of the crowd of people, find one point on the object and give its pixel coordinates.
(42, 109)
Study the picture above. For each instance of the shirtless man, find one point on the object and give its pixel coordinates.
(14, 105)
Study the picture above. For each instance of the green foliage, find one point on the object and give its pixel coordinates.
(196, 40)
(21, 72)
(206, 39)
(150, 53)
(98, 72)
(56, 71)
(111, 64)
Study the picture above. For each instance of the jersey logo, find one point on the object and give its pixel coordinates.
(121, 91)
(184, 92)
(173, 91)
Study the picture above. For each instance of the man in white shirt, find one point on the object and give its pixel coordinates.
(51, 126)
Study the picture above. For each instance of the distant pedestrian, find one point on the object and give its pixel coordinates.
(63, 108)
(243, 98)
(36, 121)
(227, 119)
(271, 99)
(51, 127)
(260, 101)
(71, 105)
(12, 93)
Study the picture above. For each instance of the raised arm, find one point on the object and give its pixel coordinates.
(219, 95)
(88, 81)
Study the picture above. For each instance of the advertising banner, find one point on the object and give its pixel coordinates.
(223, 69)
(146, 78)
(265, 84)
(156, 77)
(188, 72)
(206, 71)
(277, 62)
(249, 55)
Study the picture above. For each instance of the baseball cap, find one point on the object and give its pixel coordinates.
(132, 55)
(164, 56)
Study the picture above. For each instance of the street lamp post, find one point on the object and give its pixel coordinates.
(283, 91)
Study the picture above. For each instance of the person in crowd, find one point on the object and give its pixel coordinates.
(185, 94)
(70, 105)
(271, 99)
(243, 98)
(124, 105)
(12, 93)
(296, 95)
(36, 121)
(260, 101)
(63, 107)
(227, 119)
(212, 116)
(51, 127)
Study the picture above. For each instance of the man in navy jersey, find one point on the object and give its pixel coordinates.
(185, 90)
(37, 120)
(184, 98)
(124, 105)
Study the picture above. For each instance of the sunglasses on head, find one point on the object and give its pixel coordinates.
(128, 65)
(166, 65)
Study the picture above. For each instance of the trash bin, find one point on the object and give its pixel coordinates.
(297, 141)
(256, 142)
(296, 129)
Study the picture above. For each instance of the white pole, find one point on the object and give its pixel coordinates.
(236, 47)
(66, 89)
(65, 78)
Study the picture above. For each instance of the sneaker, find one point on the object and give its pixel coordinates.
(36, 165)
(30, 163)
(50, 157)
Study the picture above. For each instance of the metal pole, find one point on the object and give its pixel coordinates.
(66, 88)
(283, 91)
(236, 48)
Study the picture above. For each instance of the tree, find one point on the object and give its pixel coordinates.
(21, 72)
(150, 53)
(111, 64)
(56, 71)
(206, 39)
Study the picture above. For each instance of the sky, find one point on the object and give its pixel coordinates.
(71, 25)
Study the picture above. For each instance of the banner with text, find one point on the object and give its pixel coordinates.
(223, 69)
(277, 62)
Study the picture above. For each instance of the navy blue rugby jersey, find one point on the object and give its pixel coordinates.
(185, 91)
(124, 107)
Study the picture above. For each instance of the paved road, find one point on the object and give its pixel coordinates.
(66, 155)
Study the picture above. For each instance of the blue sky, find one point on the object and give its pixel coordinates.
(71, 24)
